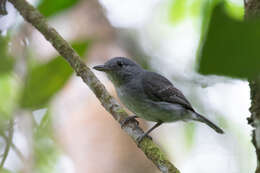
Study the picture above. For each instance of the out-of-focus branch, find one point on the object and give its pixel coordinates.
(15, 148)
(8, 144)
(3, 7)
(150, 149)
(252, 10)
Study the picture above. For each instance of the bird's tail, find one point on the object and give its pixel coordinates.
(208, 122)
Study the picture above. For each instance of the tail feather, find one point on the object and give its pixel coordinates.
(208, 122)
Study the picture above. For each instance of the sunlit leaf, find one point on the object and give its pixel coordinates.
(231, 46)
(177, 11)
(195, 7)
(234, 10)
(8, 96)
(44, 80)
(52, 7)
(6, 61)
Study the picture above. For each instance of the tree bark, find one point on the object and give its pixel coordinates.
(255, 117)
(252, 11)
(150, 149)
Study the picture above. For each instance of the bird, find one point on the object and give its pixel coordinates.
(149, 95)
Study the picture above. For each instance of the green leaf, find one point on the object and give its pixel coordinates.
(234, 10)
(45, 80)
(51, 7)
(177, 11)
(6, 61)
(195, 7)
(231, 46)
(8, 96)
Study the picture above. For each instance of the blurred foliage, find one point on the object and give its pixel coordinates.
(8, 97)
(195, 7)
(45, 147)
(3, 170)
(206, 11)
(6, 61)
(235, 11)
(44, 80)
(49, 7)
(177, 10)
(231, 46)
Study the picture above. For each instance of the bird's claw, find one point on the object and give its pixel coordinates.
(140, 138)
(128, 119)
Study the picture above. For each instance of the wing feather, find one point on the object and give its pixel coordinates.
(158, 88)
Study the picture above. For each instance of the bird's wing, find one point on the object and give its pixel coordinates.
(158, 88)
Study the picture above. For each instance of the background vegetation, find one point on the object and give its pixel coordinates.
(51, 122)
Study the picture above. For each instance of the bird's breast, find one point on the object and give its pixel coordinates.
(131, 97)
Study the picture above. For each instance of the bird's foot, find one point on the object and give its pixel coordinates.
(140, 138)
(128, 119)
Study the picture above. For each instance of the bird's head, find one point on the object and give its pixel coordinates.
(120, 70)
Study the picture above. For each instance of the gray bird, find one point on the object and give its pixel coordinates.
(149, 95)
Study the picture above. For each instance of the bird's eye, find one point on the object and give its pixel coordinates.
(119, 63)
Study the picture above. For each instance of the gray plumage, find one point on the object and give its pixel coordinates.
(149, 95)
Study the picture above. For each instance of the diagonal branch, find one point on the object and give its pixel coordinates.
(14, 147)
(150, 149)
(8, 141)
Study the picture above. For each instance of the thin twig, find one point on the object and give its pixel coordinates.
(8, 143)
(15, 148)
(151, 150)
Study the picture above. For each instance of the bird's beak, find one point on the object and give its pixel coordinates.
(102, 68)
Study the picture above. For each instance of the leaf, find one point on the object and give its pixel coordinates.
(195, 7)
(45, 80)
(8, 96)
(231, 46)
(51, 7)
(177, 11)
(6, 61)
(234, 10)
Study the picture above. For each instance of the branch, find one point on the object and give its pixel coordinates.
(255, 117)
(8, 141)
(3, 7)
(150, 149)
(252, 11)
(15, 148)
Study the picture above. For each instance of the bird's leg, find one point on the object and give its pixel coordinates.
(140, 138)
(128, 119)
